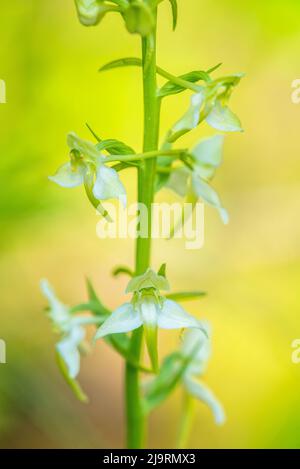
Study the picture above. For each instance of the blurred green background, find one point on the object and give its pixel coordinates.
(250, 267)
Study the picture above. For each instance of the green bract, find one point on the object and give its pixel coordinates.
(87, 166)
(150, 309)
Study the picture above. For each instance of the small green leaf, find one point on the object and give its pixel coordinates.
(115, 147)
(174, 12)
(91, 291)
(94, 299)
(162, 270)
(212, 69)
(125, 62)
(72, 382)
(185, 296)
(122, 270)
(170, 87)
(92, 306)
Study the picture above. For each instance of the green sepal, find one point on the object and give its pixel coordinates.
(149, 279)
(162, 270)
(72, 382)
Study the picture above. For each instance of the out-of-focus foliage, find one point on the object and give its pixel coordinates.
(249, 268)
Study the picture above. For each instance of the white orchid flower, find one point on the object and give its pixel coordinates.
(150, 309)
(194, 182)
(197, 347)
(87, 166)
(70, 327)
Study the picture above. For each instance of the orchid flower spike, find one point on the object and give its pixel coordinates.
(69, 327)
(196, 347)
(87, 166)
(150, 309)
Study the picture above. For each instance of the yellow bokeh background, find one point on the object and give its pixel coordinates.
(249, 268)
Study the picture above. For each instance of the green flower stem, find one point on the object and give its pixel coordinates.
(146, 155)
(185, 421)
(136, 424)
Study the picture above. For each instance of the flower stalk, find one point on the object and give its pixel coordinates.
(136, 425)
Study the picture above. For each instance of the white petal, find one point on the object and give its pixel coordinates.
(123, 319)
(68, 176)
(208, 194)
(173, 316)
(59, 313)
(197, 346)
(190, 119)
(199, 390)
(208, 155)
(178, 181)
(68, 349)
(108, 185)
(194, 341)
(222, 118)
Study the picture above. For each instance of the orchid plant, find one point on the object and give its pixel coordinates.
(97, 166)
